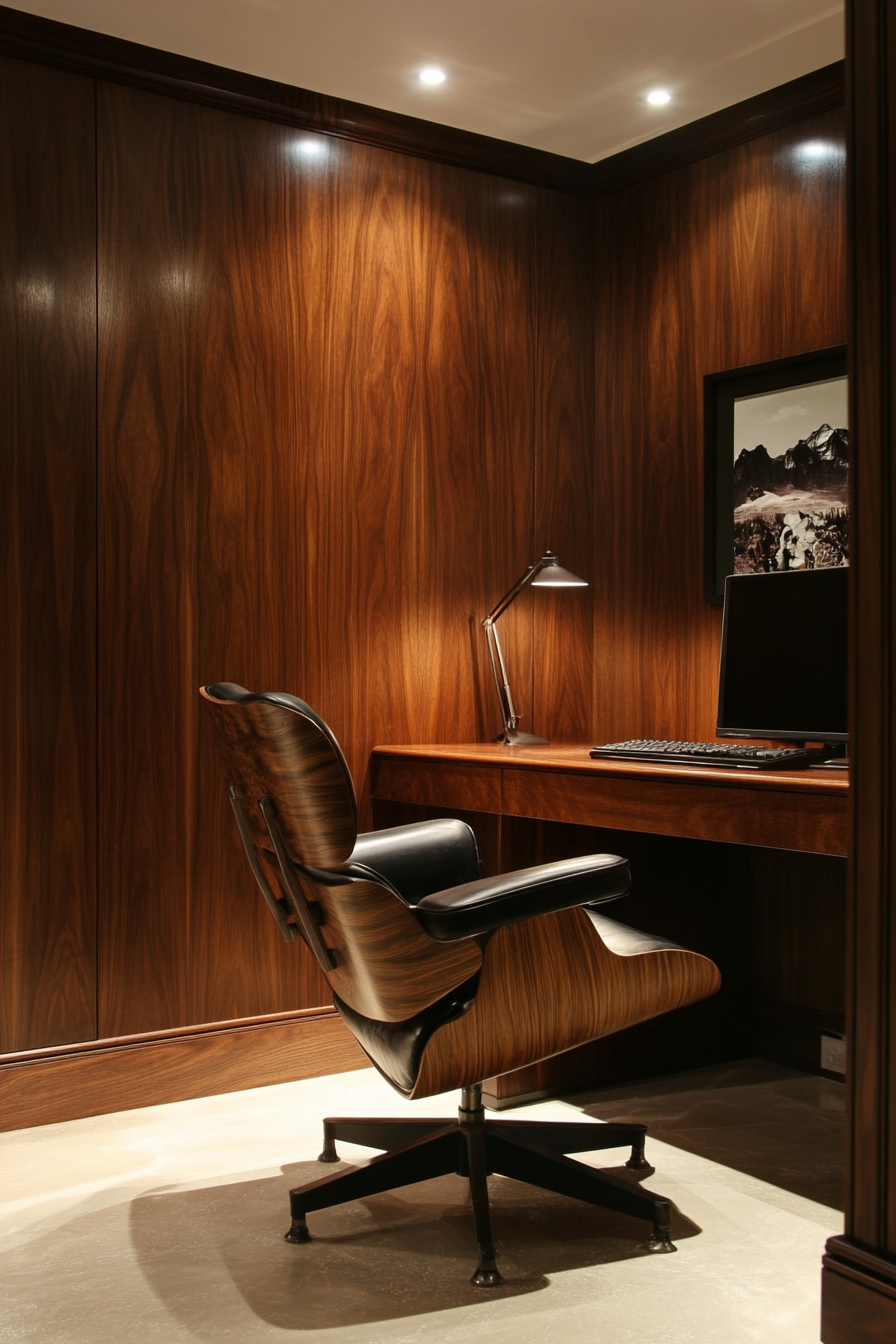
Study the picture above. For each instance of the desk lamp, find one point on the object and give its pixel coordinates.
(545, 574)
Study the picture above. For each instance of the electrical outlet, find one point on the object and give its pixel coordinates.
(833, 1054)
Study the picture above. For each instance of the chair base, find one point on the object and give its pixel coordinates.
(525, 1150)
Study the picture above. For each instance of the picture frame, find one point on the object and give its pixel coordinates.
(776, 504)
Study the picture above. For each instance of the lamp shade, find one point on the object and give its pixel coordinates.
(553, 575)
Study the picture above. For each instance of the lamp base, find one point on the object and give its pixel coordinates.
(512, 737)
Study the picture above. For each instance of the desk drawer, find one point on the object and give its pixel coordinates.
(813, 822)
(436, 784)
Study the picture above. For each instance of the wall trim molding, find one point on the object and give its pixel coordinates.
(858, 1294)
(43, 1087)
(819, 91)
(96, 55)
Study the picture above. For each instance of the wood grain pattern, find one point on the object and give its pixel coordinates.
(700, 810)
(859, 1280)
(317, 376)
(48, 550)
(798, 810)
(564, 468)
(773, 921)
(434, 782)
(859, 1305)
(735, 259)
(559, 985)
(297, 795)
(147, 1073)
(344, 400)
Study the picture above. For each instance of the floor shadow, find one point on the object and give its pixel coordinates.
(782, 1127)
(404, 1253)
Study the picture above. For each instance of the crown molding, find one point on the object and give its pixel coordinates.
(33, 38)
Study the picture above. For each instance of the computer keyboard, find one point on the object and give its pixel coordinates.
(704, 753)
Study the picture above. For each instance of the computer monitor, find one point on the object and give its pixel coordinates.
(782, 671)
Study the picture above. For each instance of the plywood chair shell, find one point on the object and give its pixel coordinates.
(560, 986)
(279, 752)
(387, 967)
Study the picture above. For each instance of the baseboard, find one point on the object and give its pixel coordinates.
(858, 1295)
(790, 1034)
(102, 1076)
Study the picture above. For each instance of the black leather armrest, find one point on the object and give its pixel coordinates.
(424, 857)
(480, 907)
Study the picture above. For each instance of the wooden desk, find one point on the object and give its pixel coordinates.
(774, 922)
(804, 810)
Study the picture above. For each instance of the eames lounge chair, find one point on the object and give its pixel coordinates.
(445, 977)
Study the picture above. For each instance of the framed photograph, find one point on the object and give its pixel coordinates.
(777, 467)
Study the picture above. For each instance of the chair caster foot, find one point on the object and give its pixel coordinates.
(660, 1244)
(637, 1161)
(298, 1232)
(487, 1276)
(329, 1154)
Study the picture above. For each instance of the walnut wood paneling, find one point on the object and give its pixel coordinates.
(48, 549)
(797, 928)
(859, 1279)
(317, 378)
(119, 1075)
(564, 468)
(735, 259)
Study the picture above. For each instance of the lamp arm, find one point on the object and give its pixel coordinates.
(514, 592)
(502, 685)
(508, 713)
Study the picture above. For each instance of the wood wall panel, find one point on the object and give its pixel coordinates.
(148, 462)
(48, 549)
(736, 259)
(317, 378)
(564, 466)
(859, 1279)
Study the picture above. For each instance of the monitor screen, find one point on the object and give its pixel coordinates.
(782, 672)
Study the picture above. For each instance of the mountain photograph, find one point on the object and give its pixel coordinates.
(791, 509)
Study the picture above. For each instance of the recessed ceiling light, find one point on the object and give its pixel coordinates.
(659, 97)
(431, 74)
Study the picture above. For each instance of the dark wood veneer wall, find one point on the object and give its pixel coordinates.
(343, 396)
(334, 400)
(729, 261)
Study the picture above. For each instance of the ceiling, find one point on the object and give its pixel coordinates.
(567, 76)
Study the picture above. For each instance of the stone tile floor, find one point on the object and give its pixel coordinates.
(166, 1224)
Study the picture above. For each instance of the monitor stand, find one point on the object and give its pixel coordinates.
(829, 756)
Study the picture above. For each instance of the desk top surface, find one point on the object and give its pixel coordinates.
(573, 758)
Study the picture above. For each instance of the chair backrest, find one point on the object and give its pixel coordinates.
(277, 746)
(295, 805)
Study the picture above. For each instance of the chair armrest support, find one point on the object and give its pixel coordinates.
(483, 906)
(419, 859)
